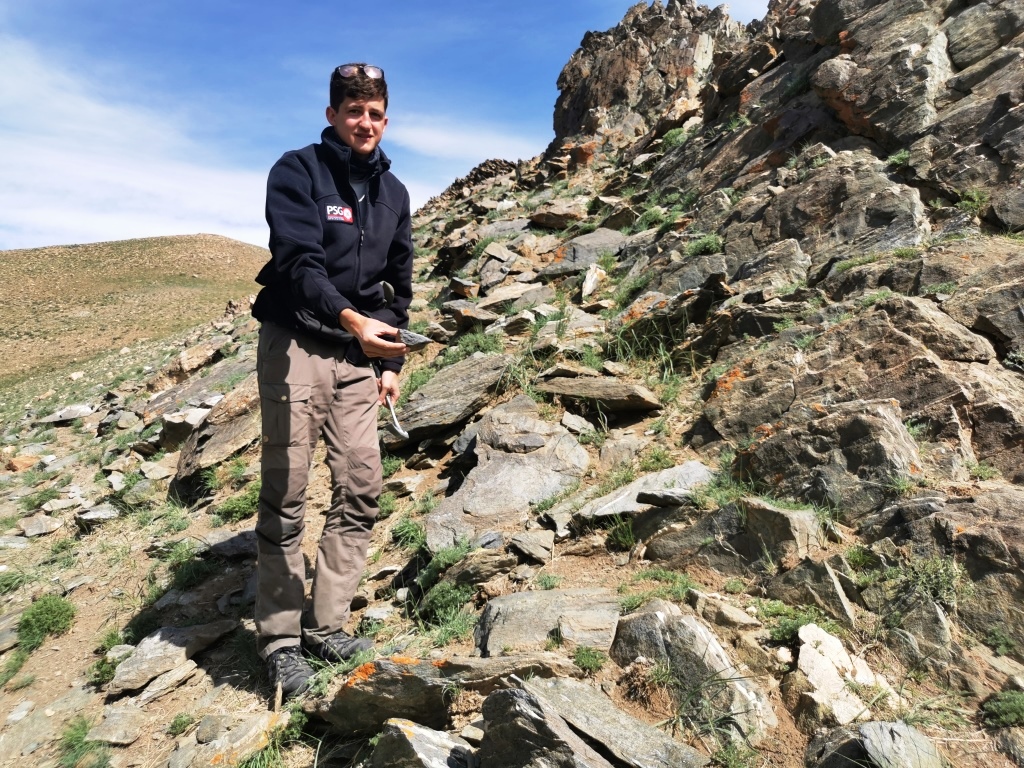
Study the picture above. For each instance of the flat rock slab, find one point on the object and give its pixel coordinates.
(528, 620)
(874, 745)
(90, 518)
(233, 424)
(521, 460)
(534, 545)
(520, 730)
(42, 726)
(680, 478)
(243, 741)
(613, 394)
(121, 725)
(829, 670)
(453, 395)
(164, 650)
(405, 744)
(418, 690)
(39, 525)
(591, 713)
(67, 414)
(695, 654)
(580, 252)
(197, 390)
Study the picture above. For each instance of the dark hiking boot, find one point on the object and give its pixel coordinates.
(287, 667)
(339, 647)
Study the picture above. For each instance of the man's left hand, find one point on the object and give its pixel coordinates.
(387, 384)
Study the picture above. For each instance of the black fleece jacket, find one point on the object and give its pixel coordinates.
(325, 256)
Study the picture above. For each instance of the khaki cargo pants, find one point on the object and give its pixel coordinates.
(307, 388)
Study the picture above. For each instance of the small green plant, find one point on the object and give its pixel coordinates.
(409, 534)
(982, 471)
(101, 671)
(655, 459)
(410, 383)
(947, 288)
(386, 505)
(621, 537)
(734, 586)
(1000, 641)
(20, 683)
(784, 621)
(470, 344)
(973, 201)
(631, 287)
(590, 660)
(861, 558)
(856, 261)
(906, 253)
(181, 723)
(705, 245)
(677, 137)
(75, 752)
(898, 159)
(805, 341)
(938, 578)
(1004, 710)
(34, 501)
(733, 755)
(624, 475)
(49, 615)
(548, 581)
(873, 298)
(240, 506)
(481, 246)
(188, 571)
(900, 485)
(390, 464)
(783, 325)
(10, 581)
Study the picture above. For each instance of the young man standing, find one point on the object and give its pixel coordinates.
(336, 290)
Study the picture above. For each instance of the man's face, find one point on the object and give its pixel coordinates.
(359, 123)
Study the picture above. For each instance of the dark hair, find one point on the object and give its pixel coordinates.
(358, 86)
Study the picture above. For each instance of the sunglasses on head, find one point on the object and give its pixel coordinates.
(350, 70)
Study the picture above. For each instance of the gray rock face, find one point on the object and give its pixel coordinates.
(404, 744)
(826, 676)
(624, 500)
(453, 395)
(591, 713)
(164, 650)
(874, 745)
(521, 460)
(233, 424)
(238, 744)
(416, 689)
(612, 394)
(121, 725)
(697, 658)
(580, 252)
(520, 732)
(527, 620)
(812, 583)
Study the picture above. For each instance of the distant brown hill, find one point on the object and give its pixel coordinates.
(65, 304)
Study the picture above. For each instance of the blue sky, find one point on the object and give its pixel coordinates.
(133, 118)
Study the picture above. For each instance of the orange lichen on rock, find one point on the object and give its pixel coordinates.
(440, 663)
(727, 380)
(361, 674)
(818, 408)
(404, 660)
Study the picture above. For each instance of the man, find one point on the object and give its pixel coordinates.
(336, 290)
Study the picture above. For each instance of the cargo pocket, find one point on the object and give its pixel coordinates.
(286, 413)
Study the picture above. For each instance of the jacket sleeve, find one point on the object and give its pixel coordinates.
(399, 274)
(296, 241)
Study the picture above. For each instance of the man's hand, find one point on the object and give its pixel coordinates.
(368, 333)
(387, 384)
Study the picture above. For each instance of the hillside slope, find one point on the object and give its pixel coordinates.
(63, 304)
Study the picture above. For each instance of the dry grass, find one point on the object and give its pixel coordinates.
(66, 304)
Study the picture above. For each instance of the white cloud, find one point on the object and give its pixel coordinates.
(76, 166)
(456, 140)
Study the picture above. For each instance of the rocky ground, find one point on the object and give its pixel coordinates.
(717, 457)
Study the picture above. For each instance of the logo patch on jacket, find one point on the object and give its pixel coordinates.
(339, 213)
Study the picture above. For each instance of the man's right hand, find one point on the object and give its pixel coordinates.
(369, 332)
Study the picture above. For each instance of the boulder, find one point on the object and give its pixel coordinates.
(529, 620)
(874, 745)
(405, 744)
